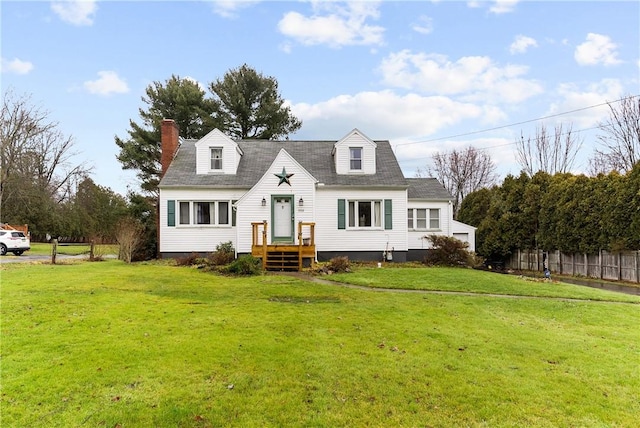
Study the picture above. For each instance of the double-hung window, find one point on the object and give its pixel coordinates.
(198, 213)
(365, 214)
(355, 158)
(423, 218)
(216, 158)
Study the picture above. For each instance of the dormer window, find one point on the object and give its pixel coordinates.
(216, 158)
(355, 158)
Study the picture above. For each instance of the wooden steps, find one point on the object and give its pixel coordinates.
(282, 260)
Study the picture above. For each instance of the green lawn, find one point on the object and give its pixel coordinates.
(153, 345)
(44, 249)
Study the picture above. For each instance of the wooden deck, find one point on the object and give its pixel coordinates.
(284, 255)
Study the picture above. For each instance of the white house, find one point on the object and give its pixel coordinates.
(346, 197)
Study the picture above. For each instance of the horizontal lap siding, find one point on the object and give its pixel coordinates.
(250, 209)
(415, 241)
(194, 238)
(329, 238)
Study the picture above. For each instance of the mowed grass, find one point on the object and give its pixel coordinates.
(113, 345)
(45, 249)
(417, 277)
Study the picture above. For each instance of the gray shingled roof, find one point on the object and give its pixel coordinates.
(427, 188)
(314, 156)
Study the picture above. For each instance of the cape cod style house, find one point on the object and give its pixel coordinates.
(293, 201)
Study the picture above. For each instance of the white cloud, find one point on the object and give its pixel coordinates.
(16, 66)
(108, 83)
(503, 6)
(576, 98)
(229, 8)
(386, 114)
(334, 24)
(521, 44)
(424, 25)
(475, 78)
(76, 12)
(597, 49)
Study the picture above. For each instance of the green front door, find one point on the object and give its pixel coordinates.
(282, 219)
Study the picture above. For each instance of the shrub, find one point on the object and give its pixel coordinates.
(190, 260)
(339, 264)
(224, 254)
(129, 238)
(448, 251)
(245, 265)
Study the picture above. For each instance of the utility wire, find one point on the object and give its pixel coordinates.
(514, 124)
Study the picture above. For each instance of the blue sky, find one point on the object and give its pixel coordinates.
(420, 74)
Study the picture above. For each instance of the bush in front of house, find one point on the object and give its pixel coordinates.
(448, 251)
(335, 265)
(245, 265)
(224, 254)
(189, 260)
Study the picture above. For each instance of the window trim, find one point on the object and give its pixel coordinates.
(214, 214)
(428, 219)
(376, 215)
(212, 159)
(353, 159)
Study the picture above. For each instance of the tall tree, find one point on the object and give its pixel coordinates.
(245, 104)
(462, 172)
(251, 107)
(548, 153)
(180, 99)
(619, 138)
(37, 163)
(98, 210)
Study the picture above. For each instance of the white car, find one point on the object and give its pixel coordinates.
(14, 241)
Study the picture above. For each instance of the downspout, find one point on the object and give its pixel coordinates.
(450, 216)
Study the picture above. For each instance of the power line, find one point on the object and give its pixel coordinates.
(513, 124)
(573, 131)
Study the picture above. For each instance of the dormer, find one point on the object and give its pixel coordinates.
(355, 154)
(217, 154)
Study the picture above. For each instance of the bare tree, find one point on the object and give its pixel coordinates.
(619, 138)
(34, 151)
(548, 153)
(462, 172)
(129, 235)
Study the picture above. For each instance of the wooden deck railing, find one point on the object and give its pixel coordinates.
(305, 247)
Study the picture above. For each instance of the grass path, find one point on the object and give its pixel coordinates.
(319, 280)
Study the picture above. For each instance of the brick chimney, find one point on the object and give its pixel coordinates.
(169, 140)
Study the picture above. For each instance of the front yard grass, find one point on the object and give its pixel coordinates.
(418, 277)
(45, 248)
(108, 344)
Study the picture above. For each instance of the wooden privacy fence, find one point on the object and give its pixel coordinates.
(618, 266)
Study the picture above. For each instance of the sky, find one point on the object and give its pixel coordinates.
(429, 76)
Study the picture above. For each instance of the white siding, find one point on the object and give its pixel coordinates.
(415, 240)
(465, 233)
(341, 155)
(330, 238)
(230, 153)
(190, 238)
(250, 208)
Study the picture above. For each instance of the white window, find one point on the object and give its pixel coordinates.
(365, 214)
(203, 212)
(184, 213)
(198, 213)
(355, 158)
(423, 218)
(434, 218)
(216, 158)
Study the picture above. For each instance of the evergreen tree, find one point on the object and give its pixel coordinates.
(180, 99)
(251, 107)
